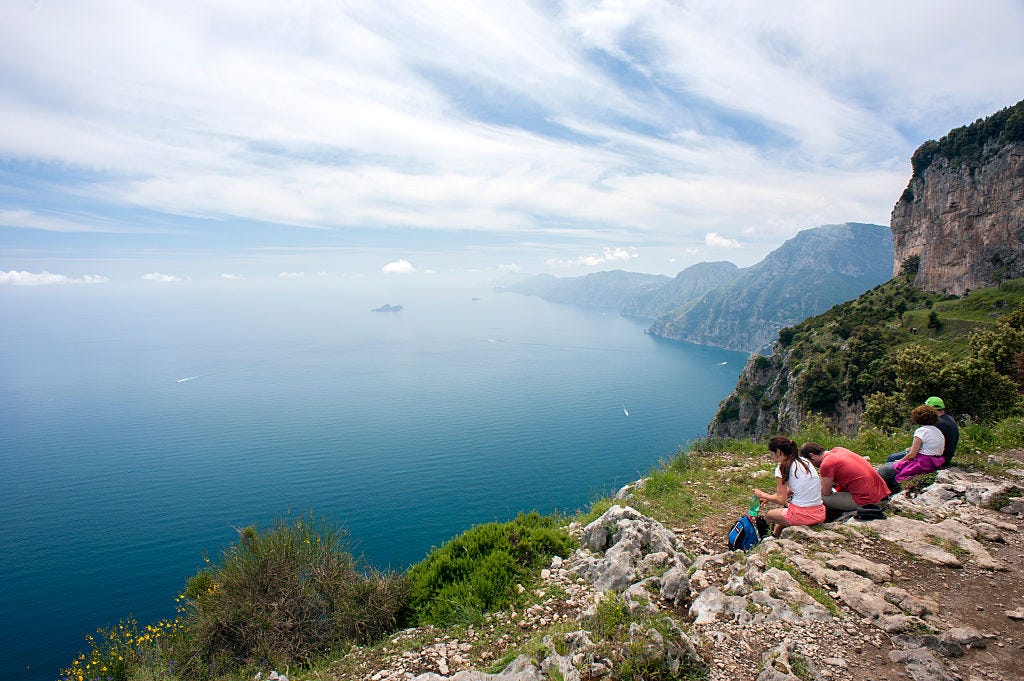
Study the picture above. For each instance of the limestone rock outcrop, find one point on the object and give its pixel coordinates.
(965, 224)
(879, 599)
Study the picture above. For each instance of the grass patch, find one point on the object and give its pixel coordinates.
(801, 668)
(777, 559)
(949, 547)
(642, 657)
(916, 484)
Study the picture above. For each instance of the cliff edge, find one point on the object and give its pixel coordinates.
(933, 591)
(962, 213)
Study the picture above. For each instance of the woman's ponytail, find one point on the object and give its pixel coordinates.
(790, 453)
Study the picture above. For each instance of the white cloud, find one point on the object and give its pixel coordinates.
(231, 277)
(579, 122)
(609, 255)
(291, 275)
(717, 241)
(44, 278)
(161, 278)
(401, 266)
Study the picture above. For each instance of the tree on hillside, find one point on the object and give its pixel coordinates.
(985, 386)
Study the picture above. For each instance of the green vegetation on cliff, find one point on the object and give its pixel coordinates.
(293, 594)
(476, 572)
(885, 352)
(969, 144)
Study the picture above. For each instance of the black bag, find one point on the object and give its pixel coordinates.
(870, 512)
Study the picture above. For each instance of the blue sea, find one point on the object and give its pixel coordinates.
(140, 425)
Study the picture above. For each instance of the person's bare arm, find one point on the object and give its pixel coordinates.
(781, 496)
(826, 486)
(914, 449)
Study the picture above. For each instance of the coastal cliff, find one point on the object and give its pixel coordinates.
(805, 276)
(962, 214)
(689, 285)
(958, 228)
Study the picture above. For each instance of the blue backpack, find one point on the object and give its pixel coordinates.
(747, 532)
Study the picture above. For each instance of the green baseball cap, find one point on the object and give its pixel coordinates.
(935, 402)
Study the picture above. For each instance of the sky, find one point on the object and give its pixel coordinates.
(221, 141)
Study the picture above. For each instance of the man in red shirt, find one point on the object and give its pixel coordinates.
(848, 480)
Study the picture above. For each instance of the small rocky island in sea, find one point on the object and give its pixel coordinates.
(388, 308)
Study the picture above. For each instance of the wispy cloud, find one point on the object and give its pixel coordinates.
(22, 278)
(302, 275)
(570, 124)
(161, 278)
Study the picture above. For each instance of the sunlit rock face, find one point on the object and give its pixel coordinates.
(965, 224)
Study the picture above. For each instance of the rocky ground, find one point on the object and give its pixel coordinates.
(933, 591)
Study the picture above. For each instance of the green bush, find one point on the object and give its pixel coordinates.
(288, 594)
(887, 413)
(477, 571)
(975, 388)
(818, 386)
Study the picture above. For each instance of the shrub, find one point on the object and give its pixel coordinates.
(288, 594)
(888, 413)
(119, 653)
(975, 388)
(477, 571)
(818, 386)
(786, 336)
(1000, 346)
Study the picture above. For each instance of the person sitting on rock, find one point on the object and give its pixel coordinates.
(949, 429)
(923, 456)
(848, 481)
(797, 488)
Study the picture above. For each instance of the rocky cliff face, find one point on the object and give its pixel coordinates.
(805, 276)
(966, 224)
(764, 402)
(688, 285)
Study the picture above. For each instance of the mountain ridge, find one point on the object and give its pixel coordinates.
(721, 305)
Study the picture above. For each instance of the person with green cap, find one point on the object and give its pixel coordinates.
(948, 427)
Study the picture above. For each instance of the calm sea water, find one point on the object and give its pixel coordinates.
(138, 427)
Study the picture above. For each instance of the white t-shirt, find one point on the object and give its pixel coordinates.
(933, 442)
(805, 484)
